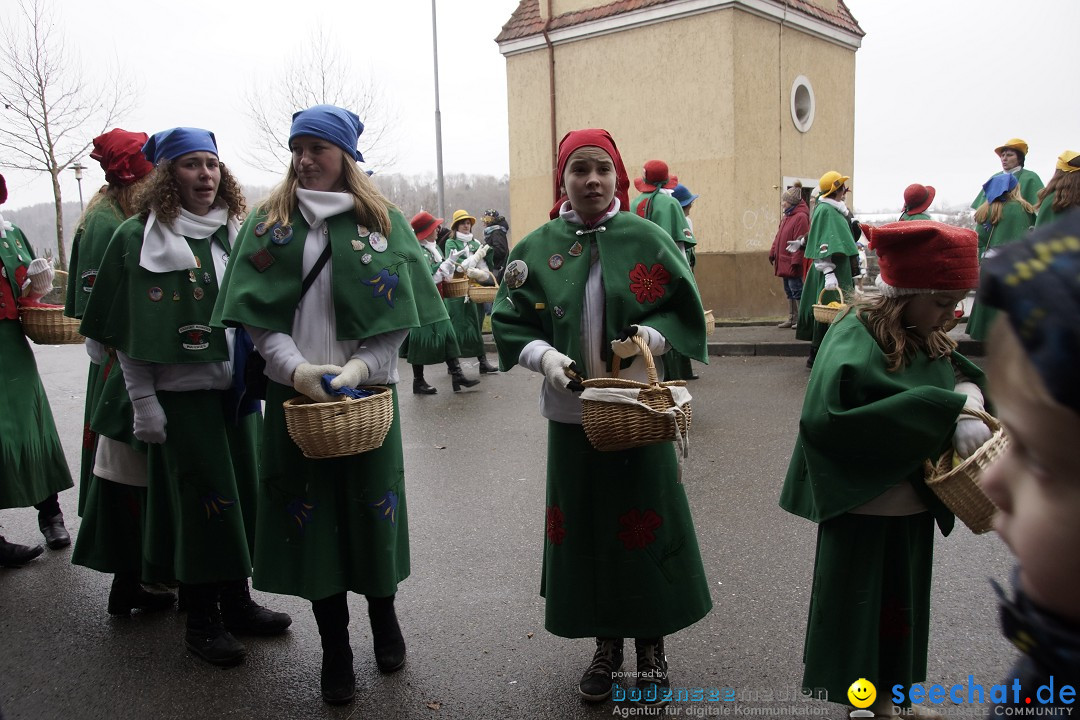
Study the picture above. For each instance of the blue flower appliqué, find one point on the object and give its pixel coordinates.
(214, 502)
(388, 506)
(386, 280)
(300, 511)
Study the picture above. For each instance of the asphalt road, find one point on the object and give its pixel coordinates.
(471, 611)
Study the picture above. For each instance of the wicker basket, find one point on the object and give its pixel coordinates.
(619, 426)
(483, 293)
(455, 288)
(342, 427)
(49, 326)
(958, 487)
(824, 313)
(710, 322)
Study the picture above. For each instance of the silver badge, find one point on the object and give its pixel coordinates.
(362, 231)
(517, 272)
(365, 258)
(377, 242)
(358, 245)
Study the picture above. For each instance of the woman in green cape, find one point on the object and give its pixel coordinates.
(1063, 190)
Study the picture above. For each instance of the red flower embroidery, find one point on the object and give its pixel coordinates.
(648, 285)
(555, 530)
(639, 528)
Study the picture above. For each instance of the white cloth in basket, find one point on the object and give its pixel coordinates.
(629, 396)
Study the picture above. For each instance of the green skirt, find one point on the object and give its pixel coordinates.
(334, 525)
(870, 604)
(32, 464)
(677, 366)
(979, 321)
(110, 538)
(201, 491)
(89, 438)
(430, 344)
(621, 556)
(468, 321)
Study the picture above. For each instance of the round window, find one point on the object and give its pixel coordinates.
(802, 103)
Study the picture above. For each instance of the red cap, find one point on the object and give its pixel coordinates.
(918, 197)
(424, 223)
(3, 190)
(655, 175)
(121, 157)
(923, 256)
(590, 137)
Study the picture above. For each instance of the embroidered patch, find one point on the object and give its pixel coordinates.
(194, 337)
(517, 272)
(688, 234)
(387, 506)
(648, 284)
(262, 260)
(823, 248)
(214, 502)
(639, 529)
(555, 261)
(377, 242)
(300, 511)
(386, 280)
(89, 277)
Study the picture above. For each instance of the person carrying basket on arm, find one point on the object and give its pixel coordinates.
(620, 554)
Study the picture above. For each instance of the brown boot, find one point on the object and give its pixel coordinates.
(793, 311)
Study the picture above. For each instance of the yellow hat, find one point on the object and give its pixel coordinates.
(1068, 161)
(460, 215)
(831, 182)
(1013, 144)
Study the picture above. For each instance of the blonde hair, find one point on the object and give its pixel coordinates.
(1066, 189)
(993, 210)
(161, 193)
(126, 197)
(372, 209)
(883, 317)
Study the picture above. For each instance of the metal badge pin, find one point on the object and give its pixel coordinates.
(362, 231)
(555, 261)
(576, 249)
(559, 311)
(198, 293)
(280, 235)
(175, 295)
(206, 278)
(260, 229)
(191, 275)
(377, 242)
(358, 245)
(366, 258)
(155, 294)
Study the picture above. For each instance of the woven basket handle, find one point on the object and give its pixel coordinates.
(821, 295)
(650, 364)
(991, 422)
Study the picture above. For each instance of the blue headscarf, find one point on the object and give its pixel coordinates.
(331, 123)
(1037, 282)
(998, 185)
(171, 144)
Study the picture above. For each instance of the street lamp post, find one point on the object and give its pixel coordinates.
(78, 167)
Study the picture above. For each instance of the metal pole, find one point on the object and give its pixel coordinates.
(78, 167)
(438, 113)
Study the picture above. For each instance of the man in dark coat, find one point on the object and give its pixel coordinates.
(495, 228)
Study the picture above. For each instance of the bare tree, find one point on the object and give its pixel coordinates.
(318, 74)
(50, 112)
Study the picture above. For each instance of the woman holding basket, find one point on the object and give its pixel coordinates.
(620, 554)
(328, 278)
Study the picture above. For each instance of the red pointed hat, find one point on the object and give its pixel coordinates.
(655, 174)
(923, 256)
(424, 223)
(918, 197)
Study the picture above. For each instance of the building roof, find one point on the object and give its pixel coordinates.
(526, 21)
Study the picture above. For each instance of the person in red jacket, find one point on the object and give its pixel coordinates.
(786, 255)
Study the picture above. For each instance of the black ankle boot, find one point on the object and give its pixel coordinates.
(128, 594)
(652, 671)
(595, 684)
(386, 633)
(486, 368)
(337, 679)
(206, 636)
(419, 385)
(458, 379)
(244, 616)
(56, 535)
(14, 555)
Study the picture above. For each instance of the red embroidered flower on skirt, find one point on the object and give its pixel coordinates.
(639, 528)
(648, 285)
(555, 530)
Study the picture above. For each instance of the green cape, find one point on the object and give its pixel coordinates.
(1030, 185)
(666, 212)
(87, 250)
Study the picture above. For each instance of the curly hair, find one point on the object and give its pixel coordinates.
(1066, 189)
(371, 208)
(992, 211)
(161, 193)
(883, 317)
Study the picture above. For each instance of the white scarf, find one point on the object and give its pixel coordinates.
(464, 237)
(432, 248)
(316, 205)
(5, 226)
(570, 215)
(836, 204)
(164, 248)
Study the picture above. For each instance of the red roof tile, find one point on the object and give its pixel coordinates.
(525, 21)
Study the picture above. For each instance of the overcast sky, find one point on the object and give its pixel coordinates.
(938, 84)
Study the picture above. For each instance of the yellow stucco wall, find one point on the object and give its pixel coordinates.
(716, 108)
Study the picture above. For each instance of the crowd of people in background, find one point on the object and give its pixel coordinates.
(198, 312)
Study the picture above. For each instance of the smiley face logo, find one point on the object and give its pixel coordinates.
(862, 693)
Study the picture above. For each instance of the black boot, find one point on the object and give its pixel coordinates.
(14, 555)
(244, 616)
(386, 633)
(652, 671)
(51, 522)
(128, 594)
(813, 356)
(419, 385)
(338, 680)
(485, 367)
(206, 635)
(595, 684)
(458, 379)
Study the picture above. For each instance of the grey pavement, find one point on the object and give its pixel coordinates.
(471, 611)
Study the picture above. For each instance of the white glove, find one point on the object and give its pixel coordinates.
(150, 420)
(970, 434)
(41, 275)
(624, 346)
(307, 380)
(556, 367)
(447, 268)
(796, 245)
(483, 250)
(476, 274)
(825, 266)
(468, 263)
(830, 281)
(352, 375)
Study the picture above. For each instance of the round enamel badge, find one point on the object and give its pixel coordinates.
(555, 261)
(377, 242)
(516, 274)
